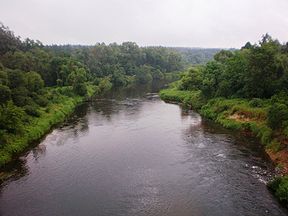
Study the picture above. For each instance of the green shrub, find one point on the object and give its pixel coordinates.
(275, 146)
(5, 94)
(11, 118)
(41, 101)
(280, 187)
(105, 84)
(80, 89)
(20, 96)
(31, 110)
(277, 114)
(256, 102)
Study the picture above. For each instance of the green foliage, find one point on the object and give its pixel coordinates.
(196, 56)
(34, 81)
(280, 187)
(11, 118)
(105, 84)
(157, 75)
(191, 80)
(80, 89)
(275, 146)
(144, 74)
(118, 77)
(31, 110)
(40, 85)
(3, 78)
(20, 96)
(256, 102)
(41, 100)
(8, 41)
(192, 99)
(223, 56)
(277, 115)
(16, 79)
(258, 71)
(5, 94)
(211, 78)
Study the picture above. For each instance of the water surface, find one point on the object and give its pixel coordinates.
(133, 154)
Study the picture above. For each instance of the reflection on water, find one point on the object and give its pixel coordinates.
(129, 153)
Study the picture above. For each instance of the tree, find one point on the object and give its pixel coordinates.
(11, 118)
(16, 79)
(5, 94)
(143, 75)
(34, 81)
(223, 56)
(261, 77)
(4, 78)
(8, 41)
(192, 80)
(212, 76)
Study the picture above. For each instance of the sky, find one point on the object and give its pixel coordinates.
(184, 23)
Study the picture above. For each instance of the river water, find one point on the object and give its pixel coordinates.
(129, 153)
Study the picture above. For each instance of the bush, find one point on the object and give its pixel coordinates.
(5, 94)
(275, 146)
(277, 114)
(105, 84)
(80, 89)
(280, 187)
(32, 111)
(11, 118)
(20, 96)
(34, 81)
(256, 102)
(41, 101)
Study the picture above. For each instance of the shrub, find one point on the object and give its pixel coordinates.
(11, 118)
(280, 187)
(80, 89)
(20, 96)
(256, 102)
(41, 101)
(34, 81)
(275, 146)
(31, 110)
(105, 84)
(277, 114)
(5, 94)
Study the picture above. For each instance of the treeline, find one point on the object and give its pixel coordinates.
(247, 90)
(255, 71)
(196, 56)
(124, 62)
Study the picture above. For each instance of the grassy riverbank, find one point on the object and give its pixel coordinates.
(62, 104)
(247, 116)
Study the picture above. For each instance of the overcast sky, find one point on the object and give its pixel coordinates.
(191, 23)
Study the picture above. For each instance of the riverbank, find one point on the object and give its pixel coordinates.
(63, 104)
(247, 116)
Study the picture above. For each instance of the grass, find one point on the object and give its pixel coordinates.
(191, 99)
(55, 113)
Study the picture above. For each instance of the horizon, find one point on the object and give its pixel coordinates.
(185, 23)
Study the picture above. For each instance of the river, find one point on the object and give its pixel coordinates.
(129, 153)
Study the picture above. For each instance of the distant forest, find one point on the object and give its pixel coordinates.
(196, 56)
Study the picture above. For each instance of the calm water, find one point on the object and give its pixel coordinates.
(132, 154)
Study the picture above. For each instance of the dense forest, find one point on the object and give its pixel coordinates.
(246, 90)
(40, 85)
(196, 56)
